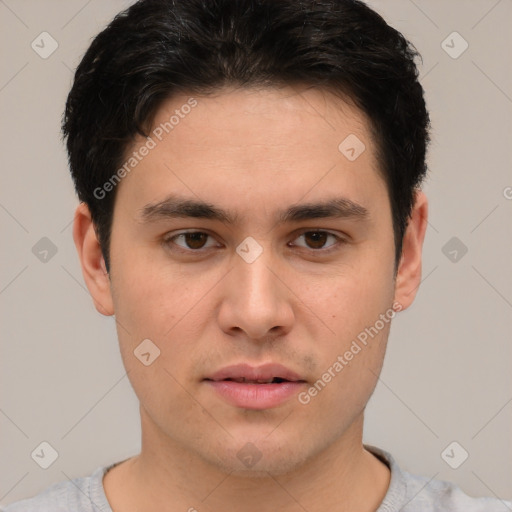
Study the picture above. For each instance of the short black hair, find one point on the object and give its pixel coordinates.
(158, 48)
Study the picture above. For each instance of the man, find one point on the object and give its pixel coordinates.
(249, 177)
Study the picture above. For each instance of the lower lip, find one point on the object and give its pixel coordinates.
(255, 396)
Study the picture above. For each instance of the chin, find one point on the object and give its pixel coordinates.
(257, 458)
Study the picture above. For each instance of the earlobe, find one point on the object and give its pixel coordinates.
(91, 259)
(408, 276)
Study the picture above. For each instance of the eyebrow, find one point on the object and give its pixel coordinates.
(178, 207)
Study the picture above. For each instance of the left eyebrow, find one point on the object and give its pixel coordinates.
(180, 207)
(337, 208)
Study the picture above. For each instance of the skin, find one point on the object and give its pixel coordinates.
(252, 152)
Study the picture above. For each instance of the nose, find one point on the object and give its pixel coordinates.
(257, 298)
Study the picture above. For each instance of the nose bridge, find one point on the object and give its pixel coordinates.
(256, 281)
(256, 299)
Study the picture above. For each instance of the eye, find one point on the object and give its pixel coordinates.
(196, 241)
(193, 240)
(316, 240)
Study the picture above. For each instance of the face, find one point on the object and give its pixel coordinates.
(291, 263)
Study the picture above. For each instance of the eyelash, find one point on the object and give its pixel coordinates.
(168, 240)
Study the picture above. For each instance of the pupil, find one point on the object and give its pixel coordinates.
(195, 240)
(319, 238)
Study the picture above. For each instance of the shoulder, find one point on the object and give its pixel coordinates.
(429, 494)
(414, 493)
(53, 498)
(84, 494)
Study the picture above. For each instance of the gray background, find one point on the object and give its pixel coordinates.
(447, 372)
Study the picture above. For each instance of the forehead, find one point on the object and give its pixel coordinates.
(254, 149)
(277, 116)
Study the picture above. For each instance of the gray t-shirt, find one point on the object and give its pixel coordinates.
(406, 493)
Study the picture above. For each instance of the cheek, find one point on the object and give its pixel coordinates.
(151, 297)
(148, 307)
(164, 306)
(349, 374)
(357, 308)
(350, 300)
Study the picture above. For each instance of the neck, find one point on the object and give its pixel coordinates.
(168, 477)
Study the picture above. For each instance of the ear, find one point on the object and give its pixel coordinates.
(91, 259)
(408, 276)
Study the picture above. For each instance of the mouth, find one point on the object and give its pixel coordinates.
(274, 380)
(248, 387)
(265, 374)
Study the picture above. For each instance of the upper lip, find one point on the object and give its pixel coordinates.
(254, 373)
